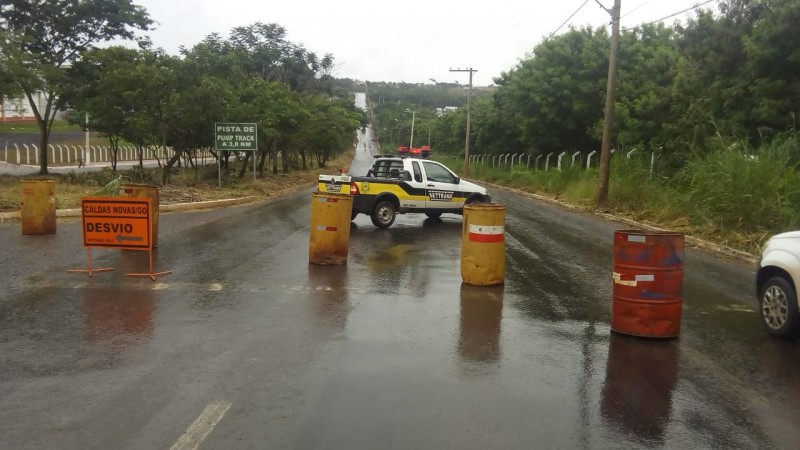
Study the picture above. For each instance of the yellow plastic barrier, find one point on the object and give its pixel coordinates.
(483, 257)
(330, 228)
(144, 191)
(38, 206)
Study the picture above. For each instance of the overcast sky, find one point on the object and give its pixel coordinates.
(406, 40)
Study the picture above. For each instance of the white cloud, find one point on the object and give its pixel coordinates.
(410, 41)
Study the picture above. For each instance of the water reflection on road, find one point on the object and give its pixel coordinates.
(641, 375)
(480, 321)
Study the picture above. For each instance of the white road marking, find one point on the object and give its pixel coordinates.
(197, 432)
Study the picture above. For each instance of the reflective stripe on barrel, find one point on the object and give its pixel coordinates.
(631, 280)
(486, 233)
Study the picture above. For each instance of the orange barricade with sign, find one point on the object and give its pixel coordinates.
(118, 222)
(114, 222)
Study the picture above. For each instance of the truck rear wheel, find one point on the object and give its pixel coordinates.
(383, 214)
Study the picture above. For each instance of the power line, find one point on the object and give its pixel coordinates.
(565, 22)
(569, 71)
(487, 47)
(528, 54)
(636, 9)
(670, 16)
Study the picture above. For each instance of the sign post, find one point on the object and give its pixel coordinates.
(237, 137)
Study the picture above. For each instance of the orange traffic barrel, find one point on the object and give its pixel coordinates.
(144, 191)
(483, 251)
(648, 283)
(330, 228)
(38, 206)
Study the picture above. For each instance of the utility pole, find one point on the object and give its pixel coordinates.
(469, 118)
(413, 116)
(608, 120)
(430, 124)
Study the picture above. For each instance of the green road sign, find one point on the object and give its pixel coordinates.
(235, 136)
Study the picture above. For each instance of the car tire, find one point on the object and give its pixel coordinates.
(433, 215)
(383, 214)
(777, 305)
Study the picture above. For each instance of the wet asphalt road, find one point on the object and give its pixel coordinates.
(246, 345)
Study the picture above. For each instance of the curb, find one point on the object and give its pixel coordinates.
(210, 204)
(695, 242)
(162, 208)
(205, 205)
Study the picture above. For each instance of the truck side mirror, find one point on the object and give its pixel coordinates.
(406, 175)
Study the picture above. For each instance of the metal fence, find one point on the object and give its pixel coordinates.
(549, 161)
(66, 154)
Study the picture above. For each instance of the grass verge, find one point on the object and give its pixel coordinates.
(730, 193)
(185, 185)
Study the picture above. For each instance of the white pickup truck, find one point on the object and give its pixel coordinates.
(405, 185)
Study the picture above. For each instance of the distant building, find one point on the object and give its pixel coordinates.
(14, 109)
(447, 109)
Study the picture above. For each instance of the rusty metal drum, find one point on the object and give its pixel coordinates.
(145, 191)
(483, 251)
(38, 206)
(648, 283)
(330, 228)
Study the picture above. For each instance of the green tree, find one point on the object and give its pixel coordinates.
(57, 33)
(207, 84)
(556, 97)
(329, 128)
(270, 56)
(109, 89)
(773, 64)
(278, 111)
(647, 60)
(9, 73)
(157, 81)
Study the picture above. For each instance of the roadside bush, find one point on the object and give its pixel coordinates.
(737, 187)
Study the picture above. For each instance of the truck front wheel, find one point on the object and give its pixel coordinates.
(383, 214)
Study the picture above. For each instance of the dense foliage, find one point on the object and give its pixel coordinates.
(707, 110)
(256, 76)
(151, 99)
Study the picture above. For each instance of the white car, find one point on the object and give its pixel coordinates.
(776, 285)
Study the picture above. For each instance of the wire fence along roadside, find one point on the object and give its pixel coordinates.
(75, 154)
